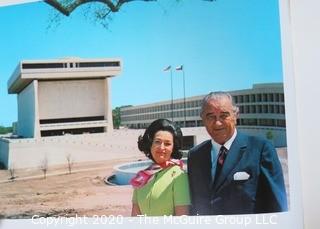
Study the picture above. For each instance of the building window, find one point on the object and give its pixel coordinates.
(240, 99)
(253, 98)
(271, 109)
(264, 97)
(271, 99)
(199, 123)
(252, 109)
(259, 109)
(249, 122)
(235, 99)
(265, 109)
(246, 98)
(259, 98)
(282, 123)
(246, 109)
(267, 122)
(199, 103)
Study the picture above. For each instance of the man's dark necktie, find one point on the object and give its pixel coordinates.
(221, 158)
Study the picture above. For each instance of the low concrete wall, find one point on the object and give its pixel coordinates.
(30, 152)
(279, 138)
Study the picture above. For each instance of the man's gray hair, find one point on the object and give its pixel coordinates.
(218, 95)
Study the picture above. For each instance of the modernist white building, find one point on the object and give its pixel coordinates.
(56, 97)
(262, 112)
(60, 103)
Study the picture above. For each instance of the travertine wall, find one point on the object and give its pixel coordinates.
(27, 111)
(71, 98)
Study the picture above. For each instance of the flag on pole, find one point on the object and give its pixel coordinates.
(179, 68)
(167, 68)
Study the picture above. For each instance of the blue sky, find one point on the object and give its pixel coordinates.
(223, 45)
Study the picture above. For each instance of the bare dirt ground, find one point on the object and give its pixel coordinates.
(81, 193)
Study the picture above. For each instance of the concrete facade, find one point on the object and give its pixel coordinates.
(56, 97)
(27, 125)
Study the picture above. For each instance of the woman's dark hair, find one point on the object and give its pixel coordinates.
(145, 141)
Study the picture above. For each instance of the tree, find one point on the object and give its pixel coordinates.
(269, 135)
(70, 162)
(5, 130)
(12, 172)
(116, 117)
(101, 11)
(44, 166)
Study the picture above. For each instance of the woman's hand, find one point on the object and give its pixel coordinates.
(135, 210)
(181, 210)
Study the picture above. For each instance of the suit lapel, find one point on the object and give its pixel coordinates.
(234, 155)
(206, 164)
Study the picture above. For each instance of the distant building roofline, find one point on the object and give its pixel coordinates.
(277, 85)
(64, 68)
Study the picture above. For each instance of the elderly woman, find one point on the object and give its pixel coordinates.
(162, 188)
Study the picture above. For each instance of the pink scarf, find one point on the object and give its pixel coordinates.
(146, 175)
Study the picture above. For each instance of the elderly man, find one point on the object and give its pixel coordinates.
(233, 173)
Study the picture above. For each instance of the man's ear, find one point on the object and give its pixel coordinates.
(236, 116)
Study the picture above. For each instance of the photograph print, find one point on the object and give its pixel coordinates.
(164, 107)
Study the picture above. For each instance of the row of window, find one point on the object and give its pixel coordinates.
(246, 109)
(71, 65)
(262, 122)
(262, 109)
(193, 123)
(79, 119)
(240, 122)
(46, 133)
(168, 115)
(252, 98)
(164, 107)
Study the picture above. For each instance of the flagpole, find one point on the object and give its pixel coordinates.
(181, 68)
(184, 98)
(171, 95)
(167, 69)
